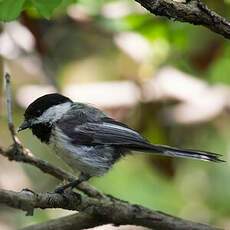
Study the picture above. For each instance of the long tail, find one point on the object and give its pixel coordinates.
(178, 152)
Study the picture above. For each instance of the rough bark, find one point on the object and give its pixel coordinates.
(194, 11)
(76, 221)
(106, 210)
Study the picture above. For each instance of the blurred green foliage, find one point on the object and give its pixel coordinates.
(11, 9)
(7, 12)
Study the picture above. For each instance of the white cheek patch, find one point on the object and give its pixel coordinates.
(54, 113)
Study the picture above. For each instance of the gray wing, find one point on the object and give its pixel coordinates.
(109, 132)
(89, 126)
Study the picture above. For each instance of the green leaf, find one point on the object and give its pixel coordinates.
(67, 2)
(10, 9)
(46, 8)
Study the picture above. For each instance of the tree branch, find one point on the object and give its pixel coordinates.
(109, 210)
(21, 154)
(9, 109)
(76, 221)
(194, 11)
(100, 208)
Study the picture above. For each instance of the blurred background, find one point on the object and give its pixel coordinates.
(166, 79)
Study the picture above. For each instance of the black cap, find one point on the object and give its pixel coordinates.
(36, 108)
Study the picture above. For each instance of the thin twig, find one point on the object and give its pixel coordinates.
(9, 109)
(25, 155)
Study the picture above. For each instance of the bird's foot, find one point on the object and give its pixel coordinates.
(59, 190)
(71, 185)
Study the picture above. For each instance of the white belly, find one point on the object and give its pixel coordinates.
(79, 157)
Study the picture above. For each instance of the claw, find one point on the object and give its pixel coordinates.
(59, 190)
(73, 184)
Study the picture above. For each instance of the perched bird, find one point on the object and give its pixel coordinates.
(88, 140)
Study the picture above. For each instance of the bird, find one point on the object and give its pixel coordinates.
(88, 140)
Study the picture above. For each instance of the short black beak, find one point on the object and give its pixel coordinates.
(23, 126)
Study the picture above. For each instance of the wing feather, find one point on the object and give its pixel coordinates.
(107, 133)
(87, 126)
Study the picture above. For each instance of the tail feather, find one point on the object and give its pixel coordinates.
(186, 153)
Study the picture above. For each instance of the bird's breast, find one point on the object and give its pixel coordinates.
(88, 159)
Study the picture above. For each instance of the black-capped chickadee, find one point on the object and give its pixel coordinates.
(88, 140)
